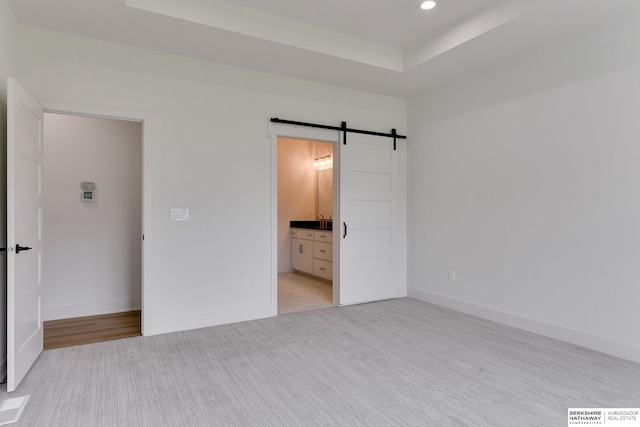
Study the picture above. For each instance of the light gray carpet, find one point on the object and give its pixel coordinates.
(400, 362)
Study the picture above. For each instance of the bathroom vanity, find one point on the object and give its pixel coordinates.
(312, 250)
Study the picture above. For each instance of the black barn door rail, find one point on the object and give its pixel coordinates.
(343, 128)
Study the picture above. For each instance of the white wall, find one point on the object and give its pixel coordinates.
(8, 40)
(206, 139)
(93, 250)
(8, 37)
(297, 192)
(525, 179)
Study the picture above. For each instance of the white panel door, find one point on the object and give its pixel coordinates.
(24, 232)
(369, 215)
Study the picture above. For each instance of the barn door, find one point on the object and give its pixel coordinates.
(370, 215)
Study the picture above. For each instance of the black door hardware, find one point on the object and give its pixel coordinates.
(343, 128)
(22, 248)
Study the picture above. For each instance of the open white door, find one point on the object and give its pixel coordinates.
(370, 213)
(24, 232)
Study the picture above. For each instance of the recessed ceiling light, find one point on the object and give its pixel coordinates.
(428, 5)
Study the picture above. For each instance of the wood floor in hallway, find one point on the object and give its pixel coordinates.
(91, 329)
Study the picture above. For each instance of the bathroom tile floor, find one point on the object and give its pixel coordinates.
(297, 292)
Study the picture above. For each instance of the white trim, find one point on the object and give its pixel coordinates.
(185, 323)
(136, 116)
(275, 131)
(90, 309)
(274, 223)
(607, 345)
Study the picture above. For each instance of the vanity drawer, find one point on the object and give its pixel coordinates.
(323, 236)
(323, 269)
(302, 233)
(323, 251)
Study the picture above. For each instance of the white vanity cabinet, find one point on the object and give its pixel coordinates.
(323, 254)
(312, 252)
(302, 255)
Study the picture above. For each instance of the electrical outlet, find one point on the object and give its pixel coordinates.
(452, 275)
(245, 283)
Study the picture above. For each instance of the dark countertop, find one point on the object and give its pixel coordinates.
(313, 225)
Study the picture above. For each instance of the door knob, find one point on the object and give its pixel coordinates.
(22, 248)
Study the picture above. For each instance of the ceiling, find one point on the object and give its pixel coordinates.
(391, 47)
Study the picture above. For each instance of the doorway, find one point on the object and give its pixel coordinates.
(369, 210)
(305, 218)
(93, 229)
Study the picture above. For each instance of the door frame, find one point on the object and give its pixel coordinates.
(275, 131)
(143, 118)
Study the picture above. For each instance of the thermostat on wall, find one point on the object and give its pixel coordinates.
(88, 194)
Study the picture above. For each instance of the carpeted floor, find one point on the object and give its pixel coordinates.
(393, 363)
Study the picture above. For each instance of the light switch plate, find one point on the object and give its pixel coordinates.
(179, 214)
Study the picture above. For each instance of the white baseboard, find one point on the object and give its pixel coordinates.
(89, 309)
(205, 320)
(611, 346)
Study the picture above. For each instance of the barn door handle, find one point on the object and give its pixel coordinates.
(22, 248)
(345, 230)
